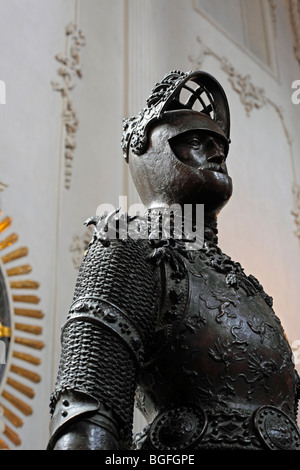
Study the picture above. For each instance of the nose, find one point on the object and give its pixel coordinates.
(215, 151)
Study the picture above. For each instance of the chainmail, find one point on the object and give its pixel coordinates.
(122, 274)
(94, 360)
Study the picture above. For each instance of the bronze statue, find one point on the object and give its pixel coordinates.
(184, 332)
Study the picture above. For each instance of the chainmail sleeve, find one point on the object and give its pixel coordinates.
(109, 325)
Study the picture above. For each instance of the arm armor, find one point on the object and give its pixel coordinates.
(109, 326)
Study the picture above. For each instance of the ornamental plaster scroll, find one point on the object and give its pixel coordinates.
(252, 97)
(296, 210)
(294, 9)
(273, 12)
(79, 246)
(69, 71)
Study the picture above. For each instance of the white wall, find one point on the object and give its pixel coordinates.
(131, 44)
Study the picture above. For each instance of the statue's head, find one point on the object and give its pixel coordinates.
(177, 146)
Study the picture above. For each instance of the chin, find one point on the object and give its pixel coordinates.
(210, 188)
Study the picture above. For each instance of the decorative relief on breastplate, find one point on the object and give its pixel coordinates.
(212, 255)
(276, 429)
(244, 338)
(169, 254)
(219, 337)
(178, 428)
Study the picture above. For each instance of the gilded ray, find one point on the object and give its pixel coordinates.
(17, 403)
(24, 284)
(33, 376)
(8, 241)
(12, 436)
(12, 417)
(28, 391)
(5, 223)
(35, 330)
(16, 254)
(27, 357)
(31, 343)
(3, 445)
(28, 312)
(31, 299)
(24, 269)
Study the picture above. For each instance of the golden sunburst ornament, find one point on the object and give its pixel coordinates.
(20, 345)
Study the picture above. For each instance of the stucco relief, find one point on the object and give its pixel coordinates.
(273, 12)
(294, 7)
(70, 69)
(252, 97)
(79, 245)
(296, 210)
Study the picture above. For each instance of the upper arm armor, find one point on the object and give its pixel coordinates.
(109, 325)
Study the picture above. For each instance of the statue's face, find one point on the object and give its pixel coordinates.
(204, 153)
(200, 150)
(184, 164)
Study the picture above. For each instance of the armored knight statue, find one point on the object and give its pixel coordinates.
(183, 333)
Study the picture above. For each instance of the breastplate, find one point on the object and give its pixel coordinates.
(220, 358)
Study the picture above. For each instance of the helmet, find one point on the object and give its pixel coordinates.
(195, 91)
(179, 103)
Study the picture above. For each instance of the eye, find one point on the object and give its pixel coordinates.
(194, 142)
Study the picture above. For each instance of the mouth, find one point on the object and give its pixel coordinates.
(213, 167)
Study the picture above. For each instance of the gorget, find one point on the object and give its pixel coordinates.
(219, 373)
